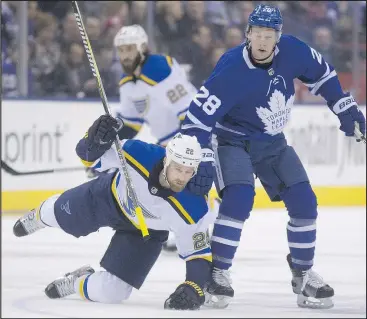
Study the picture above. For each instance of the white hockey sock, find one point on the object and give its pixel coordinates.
(103, 287)
(47, 212)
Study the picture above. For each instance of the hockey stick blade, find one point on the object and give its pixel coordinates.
(13, 172)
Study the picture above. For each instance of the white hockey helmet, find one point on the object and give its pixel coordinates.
(131, 34)
(184, 150)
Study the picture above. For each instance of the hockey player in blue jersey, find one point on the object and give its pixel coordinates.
(159, 175)
(241, 111)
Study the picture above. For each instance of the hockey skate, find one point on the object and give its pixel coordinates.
(64, 286)
(312, 291)
(28, 224)
(218, 291)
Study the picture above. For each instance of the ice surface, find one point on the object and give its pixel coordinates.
(261, 278)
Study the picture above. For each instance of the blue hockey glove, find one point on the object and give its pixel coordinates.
(187, 296)
(202, 182)
(348, 113)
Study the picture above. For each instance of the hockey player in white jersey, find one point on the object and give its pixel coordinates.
(241, 111)
(159, 176)
(154, 88)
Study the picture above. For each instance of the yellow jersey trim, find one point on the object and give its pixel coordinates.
(169, 60)
(147, 80)
(125, 79)
(208, 258)
(135, 127)
(181, 209)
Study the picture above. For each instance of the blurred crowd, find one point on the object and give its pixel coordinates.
(196, 33)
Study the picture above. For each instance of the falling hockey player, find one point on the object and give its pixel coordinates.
(160, 175)
(154, 89)
(241, 111)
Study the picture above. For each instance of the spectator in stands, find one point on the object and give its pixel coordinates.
(138, 13)
(216, 55)
(58, 9)
(233, 36)
(9, 28)
(47, 53)
(72, 72)
(93, 28)
(239, 12)
(9, 76)
(194, 15)
(217, 15)
(197, 52)
(323, 43)
(69, 32)
(171, 28)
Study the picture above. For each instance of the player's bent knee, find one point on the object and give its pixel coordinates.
(237, 201)
(301, 201)
(107, 288)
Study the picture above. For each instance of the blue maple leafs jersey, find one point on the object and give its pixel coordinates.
(242, 101)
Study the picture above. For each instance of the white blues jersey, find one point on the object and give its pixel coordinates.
(183, 213)
(160, 97)
(241, 101)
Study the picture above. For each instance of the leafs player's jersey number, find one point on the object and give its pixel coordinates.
(209, 103)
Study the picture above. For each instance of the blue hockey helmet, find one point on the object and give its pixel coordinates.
(265, 16)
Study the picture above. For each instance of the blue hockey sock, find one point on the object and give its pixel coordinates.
(301, 203)
(237, 202)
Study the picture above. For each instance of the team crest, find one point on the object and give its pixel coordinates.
(278, 115)
(141, 104)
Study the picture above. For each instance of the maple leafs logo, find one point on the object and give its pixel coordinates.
(279, 112)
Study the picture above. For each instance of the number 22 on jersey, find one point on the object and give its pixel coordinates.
(211, 104)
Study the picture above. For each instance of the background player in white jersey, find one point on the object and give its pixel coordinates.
(160, 176)
(243, 108)
(154, 88)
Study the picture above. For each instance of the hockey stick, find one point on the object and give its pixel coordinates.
(95, 71)
(358, 134)
(12, 171)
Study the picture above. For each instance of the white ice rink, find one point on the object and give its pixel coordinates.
(261, 278)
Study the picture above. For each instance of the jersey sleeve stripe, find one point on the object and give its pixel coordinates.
(196, 123)
(167, 137)
(138, 167)
(180, 210)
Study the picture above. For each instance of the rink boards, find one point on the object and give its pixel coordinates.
(38, 135)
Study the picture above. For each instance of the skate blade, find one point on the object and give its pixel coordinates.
(217, 302)
(313, 303)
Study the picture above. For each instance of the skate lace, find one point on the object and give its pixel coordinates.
(65, 286)
(222, 277)
(313, 279)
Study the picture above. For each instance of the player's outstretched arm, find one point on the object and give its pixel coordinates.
(99, 138)
(321, 78)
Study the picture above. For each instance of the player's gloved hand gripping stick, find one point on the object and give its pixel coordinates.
(95, 71)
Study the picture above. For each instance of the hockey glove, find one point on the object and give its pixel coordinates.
(187, 296)
(202, 182)
(348, 113)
